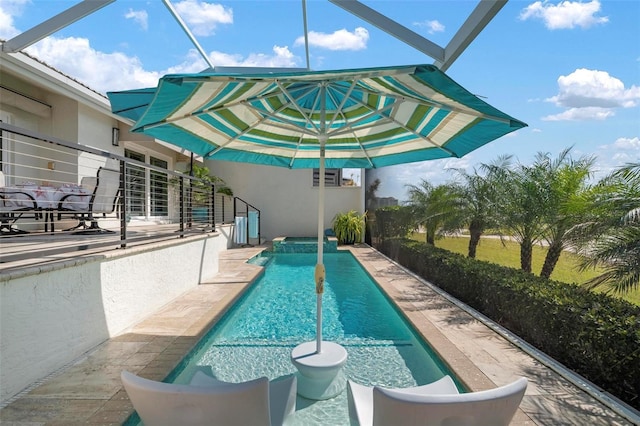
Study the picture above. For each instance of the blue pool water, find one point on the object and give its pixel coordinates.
(256, 337)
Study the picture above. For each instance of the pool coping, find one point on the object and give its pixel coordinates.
(89, 390)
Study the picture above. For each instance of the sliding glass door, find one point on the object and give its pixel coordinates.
(146, 190)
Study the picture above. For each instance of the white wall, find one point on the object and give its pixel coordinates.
(94, 129)
(64, 121)
(287, 199)
(48, 319)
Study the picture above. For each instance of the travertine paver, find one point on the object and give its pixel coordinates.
(481, 357)
(90, 392)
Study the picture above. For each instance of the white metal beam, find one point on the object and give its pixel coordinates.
(475, 23)
(390, 26)
(186, 30)
(50, 26)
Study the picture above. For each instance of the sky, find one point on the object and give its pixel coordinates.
(569, 69)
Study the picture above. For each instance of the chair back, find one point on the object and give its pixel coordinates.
(491, 407)
(2, 180)
(160, 403)
(106, 191)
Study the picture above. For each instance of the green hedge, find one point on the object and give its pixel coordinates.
(593, 334)
(393, 221)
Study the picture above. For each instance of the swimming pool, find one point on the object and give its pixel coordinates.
(256, 336)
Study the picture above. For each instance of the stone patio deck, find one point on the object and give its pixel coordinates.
(89, 391)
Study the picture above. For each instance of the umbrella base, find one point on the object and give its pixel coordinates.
(320, 375)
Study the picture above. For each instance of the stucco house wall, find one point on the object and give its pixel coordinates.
(286, 198)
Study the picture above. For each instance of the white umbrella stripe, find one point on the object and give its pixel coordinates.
(450, 127)
(207, 94)
(331, 153)
(427, 97)
(196, 102)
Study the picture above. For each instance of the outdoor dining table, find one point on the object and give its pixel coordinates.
(47, 199)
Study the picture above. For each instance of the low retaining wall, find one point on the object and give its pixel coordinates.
(51, 315)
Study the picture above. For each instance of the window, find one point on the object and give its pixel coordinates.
(159, 188)
(332, 177)
(338, 177)
(135, 184)
(146, 190)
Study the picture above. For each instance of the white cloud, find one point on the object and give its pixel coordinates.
(203, 18)
(281, 57)
(565, 15)
(431, 26)
(591, 94)
(140, 17)
(75, 57)
(628, 143)
(9, 9)
(338, 40)
(611, 156)
(581, 114)
(585, 87)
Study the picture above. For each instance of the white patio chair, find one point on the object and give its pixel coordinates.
(103, 199)
(207, 401)
(436, 404)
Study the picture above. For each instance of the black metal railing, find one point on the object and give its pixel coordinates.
(247, 223)
(58, 199)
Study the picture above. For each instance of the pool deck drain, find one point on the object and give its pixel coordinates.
(89, 391)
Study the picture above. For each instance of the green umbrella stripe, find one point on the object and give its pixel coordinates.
(230, 94)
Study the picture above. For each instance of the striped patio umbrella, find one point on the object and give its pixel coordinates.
(358, 118)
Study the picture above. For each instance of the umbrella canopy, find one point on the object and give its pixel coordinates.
(373, 117)
(359, 118)
(131, 103)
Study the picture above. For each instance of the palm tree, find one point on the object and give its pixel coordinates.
(370, 193)
(567, 181)
(478, 199)
(611, 238)
(433, 207)
(524, 198)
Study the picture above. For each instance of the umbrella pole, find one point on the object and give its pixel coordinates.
(320, 271)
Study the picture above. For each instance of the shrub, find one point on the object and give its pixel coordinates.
(593, 334)
(393, 221)
(349, 227)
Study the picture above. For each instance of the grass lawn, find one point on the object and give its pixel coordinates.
(493, 250)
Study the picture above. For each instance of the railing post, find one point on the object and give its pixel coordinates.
(222, 197)
(246, 211)
(190, 203)
(181, 197)
(123, 205)
(212, 217)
